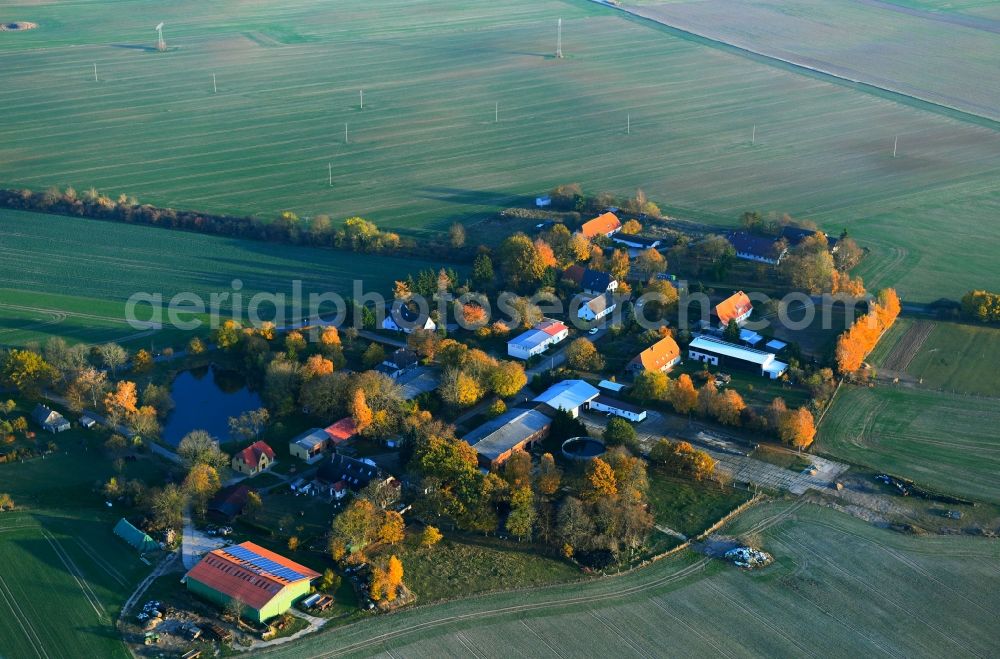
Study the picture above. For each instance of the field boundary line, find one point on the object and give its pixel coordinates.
(81, 581)
(867, 87)
(23, 621)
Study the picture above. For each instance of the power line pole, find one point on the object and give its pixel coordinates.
(329, 166)
(95, 71)
(895, 143)
(362, 92)
(559, 40)
(628, 124)
(753, 135)
(346, 141)
(215, 88)
(496, 114)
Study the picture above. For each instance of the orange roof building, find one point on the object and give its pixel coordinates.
(342, 431)
(661, 356)
(267, 583)
(253, 459)
(735, 307)
(606, 224)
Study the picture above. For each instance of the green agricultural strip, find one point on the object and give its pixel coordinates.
(71, 277)
(838, 586)
(941, 440)
(427, 148)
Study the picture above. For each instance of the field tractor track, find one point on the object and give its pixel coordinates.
(907, 347)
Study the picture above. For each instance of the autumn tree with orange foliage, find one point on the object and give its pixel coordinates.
(316, 366)
(546, 256)
(121, 403)
(474, 315)
(797, 428)
(682, 394)
(360, 412)
(860, 339)
(601, 482)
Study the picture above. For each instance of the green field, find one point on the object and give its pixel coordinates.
(65, 575)
(960, 358)
(71, 277)
(941, 440)
(425, 151)
(837, 38)
(839, 587)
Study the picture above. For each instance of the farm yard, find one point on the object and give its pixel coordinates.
(426, 150)
(943, 441)
(58, 279)
(837, 583)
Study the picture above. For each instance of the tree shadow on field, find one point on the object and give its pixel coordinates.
(474, 197)
(131, 46)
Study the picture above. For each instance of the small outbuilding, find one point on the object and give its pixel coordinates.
(619, 408)
(139, 540)
(569, 396)
(514, 430)
(309, 446)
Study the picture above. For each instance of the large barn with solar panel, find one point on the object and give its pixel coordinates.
(267, 583)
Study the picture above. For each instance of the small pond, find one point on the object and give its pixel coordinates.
(204, 399)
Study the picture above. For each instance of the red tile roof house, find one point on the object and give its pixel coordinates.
(267, 583)
(342, 431)
(606, 224)
(735, 307)
(253, 459)
(661, 356)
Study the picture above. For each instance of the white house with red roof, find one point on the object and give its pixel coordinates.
(253, 459)
(536, 340)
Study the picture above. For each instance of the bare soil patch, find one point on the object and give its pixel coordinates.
(907, 346)
(17, 26)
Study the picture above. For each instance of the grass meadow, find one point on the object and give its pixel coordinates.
(959, 358)
(837, 583)
(426, 149)
(71, 277)
(945, 441)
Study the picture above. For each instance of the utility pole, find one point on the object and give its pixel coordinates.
(329, 166)
(559, 40)
(346, 141)
(362, 92)
(628, 124)
(95, 71)
(753, 135)
(215, 88)
(895, 143)
(496, 114)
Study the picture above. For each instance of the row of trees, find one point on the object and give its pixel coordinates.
(860, 339)
(795, 427)
(355, 233)
(570, 197)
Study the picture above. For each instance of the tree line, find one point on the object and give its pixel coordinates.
(854, 345)
(355, 233)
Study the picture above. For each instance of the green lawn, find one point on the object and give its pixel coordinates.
(65, 575)
(58, 281)
(944, 441)
(839, 585)
(689, 506)
(426, 151)
(461, 566)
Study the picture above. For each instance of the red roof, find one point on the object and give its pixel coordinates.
(247, 573)
(657, 356)
(343, 430)
(734, 306)
(551, 327)
(251, 454)
(575, 273)
(602, 225)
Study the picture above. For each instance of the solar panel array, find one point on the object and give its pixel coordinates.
(255, 560)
